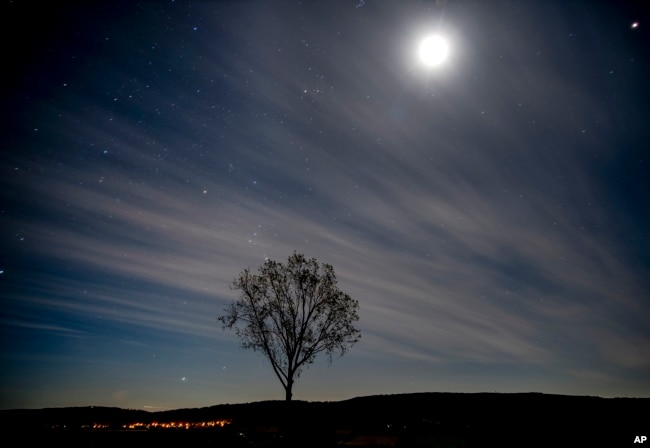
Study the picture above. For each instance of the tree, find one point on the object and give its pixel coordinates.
(291, 313)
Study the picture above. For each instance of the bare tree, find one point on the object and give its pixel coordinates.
(291, 313)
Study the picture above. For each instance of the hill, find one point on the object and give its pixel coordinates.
(419, 419)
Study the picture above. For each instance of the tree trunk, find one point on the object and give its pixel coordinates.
(288, 393)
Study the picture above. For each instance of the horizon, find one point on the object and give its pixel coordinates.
(489, 211)
(324, 401)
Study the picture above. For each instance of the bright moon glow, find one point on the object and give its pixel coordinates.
(433, 50)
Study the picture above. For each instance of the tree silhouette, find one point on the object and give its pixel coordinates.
(291, 313)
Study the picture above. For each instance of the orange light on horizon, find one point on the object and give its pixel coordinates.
(177, 425)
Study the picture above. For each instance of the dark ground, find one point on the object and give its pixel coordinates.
(407, 420)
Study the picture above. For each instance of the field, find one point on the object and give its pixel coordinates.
(406, 420)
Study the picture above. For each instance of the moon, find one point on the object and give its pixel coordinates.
(433, 50)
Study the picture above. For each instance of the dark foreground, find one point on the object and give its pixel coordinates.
(408, 420)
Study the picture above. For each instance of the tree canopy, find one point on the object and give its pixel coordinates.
(292, 313)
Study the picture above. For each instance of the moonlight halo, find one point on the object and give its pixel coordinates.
(433, 50)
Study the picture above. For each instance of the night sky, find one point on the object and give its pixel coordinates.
(490, 214)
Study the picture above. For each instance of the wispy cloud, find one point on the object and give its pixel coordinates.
(466, 210)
